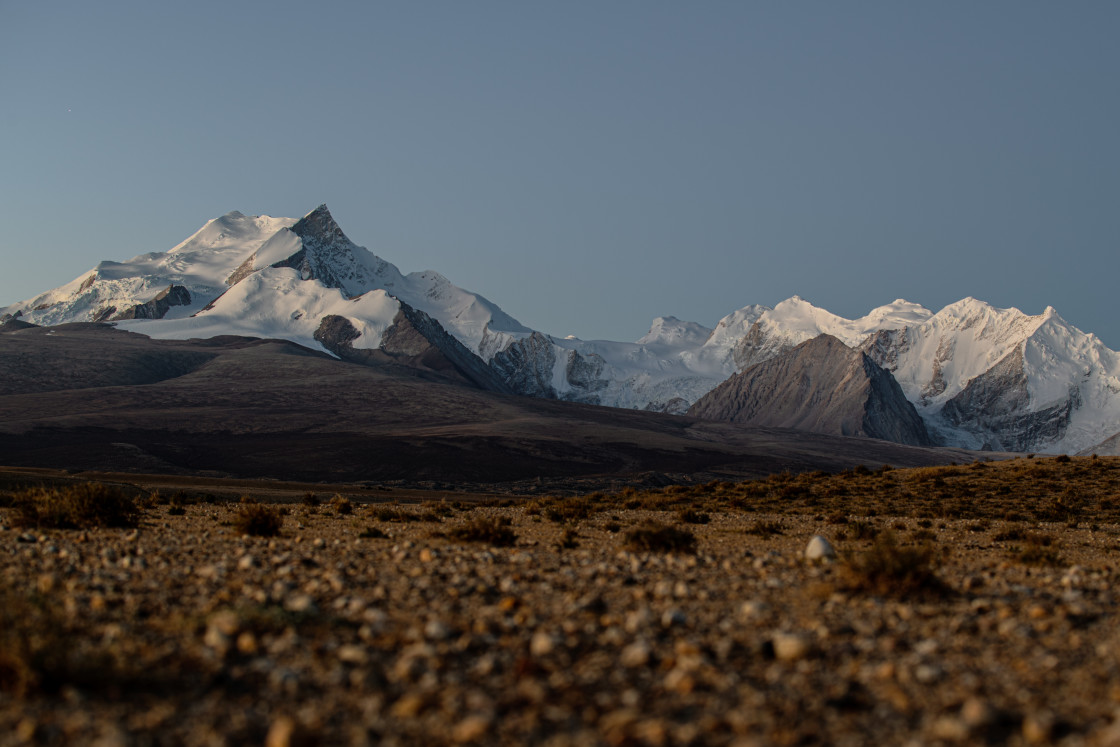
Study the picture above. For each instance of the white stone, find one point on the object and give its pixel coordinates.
(819, 548)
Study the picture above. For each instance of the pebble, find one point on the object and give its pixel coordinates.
(790, 646)
(542, 643)
(819, 548)
(637, 654)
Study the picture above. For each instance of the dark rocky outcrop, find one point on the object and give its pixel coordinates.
(583, 374)
(675, 406)
(12, 324)
(994, 405)
(821, 386)
(157, 308)
(755, 347)
(328, 255)
(414, 341)
(526, 366)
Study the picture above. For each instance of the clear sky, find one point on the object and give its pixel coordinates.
(587, 165)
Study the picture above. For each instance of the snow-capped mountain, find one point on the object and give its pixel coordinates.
(265, 277)
(979, 376)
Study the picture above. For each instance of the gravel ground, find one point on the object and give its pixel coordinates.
(184, 632)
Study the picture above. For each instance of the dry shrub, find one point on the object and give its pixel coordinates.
(765, 528)
(75, 507)
(1037, 549)
(341, 505)
(692, 516)
(656, 537)
(401, 516)
(889, 569)
(256, 520)
(568, 540)
(571, 509)
(862, 530)
(496, 532)
(38, 654)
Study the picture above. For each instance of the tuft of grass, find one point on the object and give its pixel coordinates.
(656, 537)
(765, 528)
(568, 540)
(310, 500)
(83, 506)
(401, 516)
(39, 654)
(372, 533)
(257, 520)
(342, 506)
(889, 569)
(865, 530)
(692, 516)
(1037, 549)
(570, 510)
(496, 532)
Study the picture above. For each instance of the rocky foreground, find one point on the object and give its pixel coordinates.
(968, 605)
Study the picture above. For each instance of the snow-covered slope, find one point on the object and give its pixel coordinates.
(268, 277)
(978, 375)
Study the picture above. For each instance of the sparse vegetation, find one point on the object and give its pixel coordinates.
(257, 520)
(342, 506)
(692, 516)
(656, 537)
(394, 515)
(765, 528)
(891, 569)
(569, 539)
(83, 506)
(1037, 549)
(496, 532)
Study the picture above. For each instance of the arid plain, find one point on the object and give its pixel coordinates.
(969, 604)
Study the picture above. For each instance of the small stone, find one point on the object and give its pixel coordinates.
(790, 646)
(408, 706)
(1037, 727)
(819, 548)
(950, 729)
(542, 644)
(976, 713)
(672, 618)
(753, 609)
(246, 562)
(300, 603)
(471, 729)
(351, 654)
(436, 630)
(282, 733)
(635, 655)
(247, 643)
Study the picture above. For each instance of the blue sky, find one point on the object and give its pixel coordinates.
(587, 165)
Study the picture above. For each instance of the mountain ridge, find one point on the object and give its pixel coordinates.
(280, 277)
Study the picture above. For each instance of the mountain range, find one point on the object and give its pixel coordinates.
(970, 375)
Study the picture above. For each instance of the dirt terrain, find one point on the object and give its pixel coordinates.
(969, 604)
(90, 397)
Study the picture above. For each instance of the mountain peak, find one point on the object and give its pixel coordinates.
(321, 223)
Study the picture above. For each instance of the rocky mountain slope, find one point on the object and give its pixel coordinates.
(979, 377)
(823, 386)
(88, 396)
